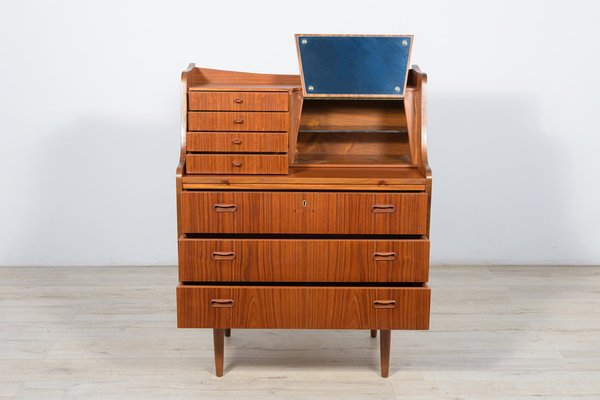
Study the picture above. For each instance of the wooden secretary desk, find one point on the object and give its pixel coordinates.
(303, 201)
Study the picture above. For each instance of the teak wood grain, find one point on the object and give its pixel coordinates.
(300, 186)
(238, 121)
(296, 102)
(304, 212)
(219, 349)
(202, 78)
(353, 166)
(385, 338)
(303, 307)
(303, 260)
(237, 163)
(369, 133)
(180, 170)
(299, 175)
(344, 114)
(238, 101)
(237, 142)
(417, 81)
(353, 149)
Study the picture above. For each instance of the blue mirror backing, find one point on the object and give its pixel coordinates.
(354, 65)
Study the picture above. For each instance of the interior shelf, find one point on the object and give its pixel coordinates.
(351, 129)
(362, 133)
(362, 160)
(360, 148)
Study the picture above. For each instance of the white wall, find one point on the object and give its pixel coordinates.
(89, 119)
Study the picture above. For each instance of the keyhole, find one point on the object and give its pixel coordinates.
(304, 203)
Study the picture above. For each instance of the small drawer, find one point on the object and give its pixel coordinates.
(303, 307)
(237, 142)
(236, 164)
(238, 101)
(238, 121)
(303, 260)
(305, 213)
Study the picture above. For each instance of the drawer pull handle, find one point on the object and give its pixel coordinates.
(239, 120)
(236, 141)
(238, 100)
(390, 256)
(221, 303)
(382, 208)
(222, 255)
(225, 207)
(384, 304)
(237, 164)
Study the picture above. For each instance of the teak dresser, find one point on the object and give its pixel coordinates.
(301, 212)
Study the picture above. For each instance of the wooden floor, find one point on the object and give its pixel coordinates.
(109, 333)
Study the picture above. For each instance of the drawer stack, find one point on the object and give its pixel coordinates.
(327, 260)
(241, 132)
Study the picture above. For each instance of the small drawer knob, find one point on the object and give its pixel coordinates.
(238, 121)
(238, 100)
(237, 164)
(236, 141)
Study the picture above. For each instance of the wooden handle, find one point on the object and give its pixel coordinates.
(236, 141)
(384, 304)
(221, 303)
(225, 207)
(236, 164)
(238, 100)
(239, 120)
(222, 255)
(382, 208)
(384, 256)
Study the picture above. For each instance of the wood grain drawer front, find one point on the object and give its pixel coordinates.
(236, 164)
(238, 101)
(237, 142)
(302, 307)
(304, 212)
(238, 121)
(290, 260)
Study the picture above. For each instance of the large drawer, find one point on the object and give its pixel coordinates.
(237, 142)
(303, 260)
(234, 101)
(303, 307)
(304, 212)
(236, 163)
(238, 121)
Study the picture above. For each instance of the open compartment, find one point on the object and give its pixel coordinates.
(353, 132)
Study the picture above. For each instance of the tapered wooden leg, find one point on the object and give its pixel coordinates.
(384, 351)
(219, 344)
(373, 333)
(227, 332)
